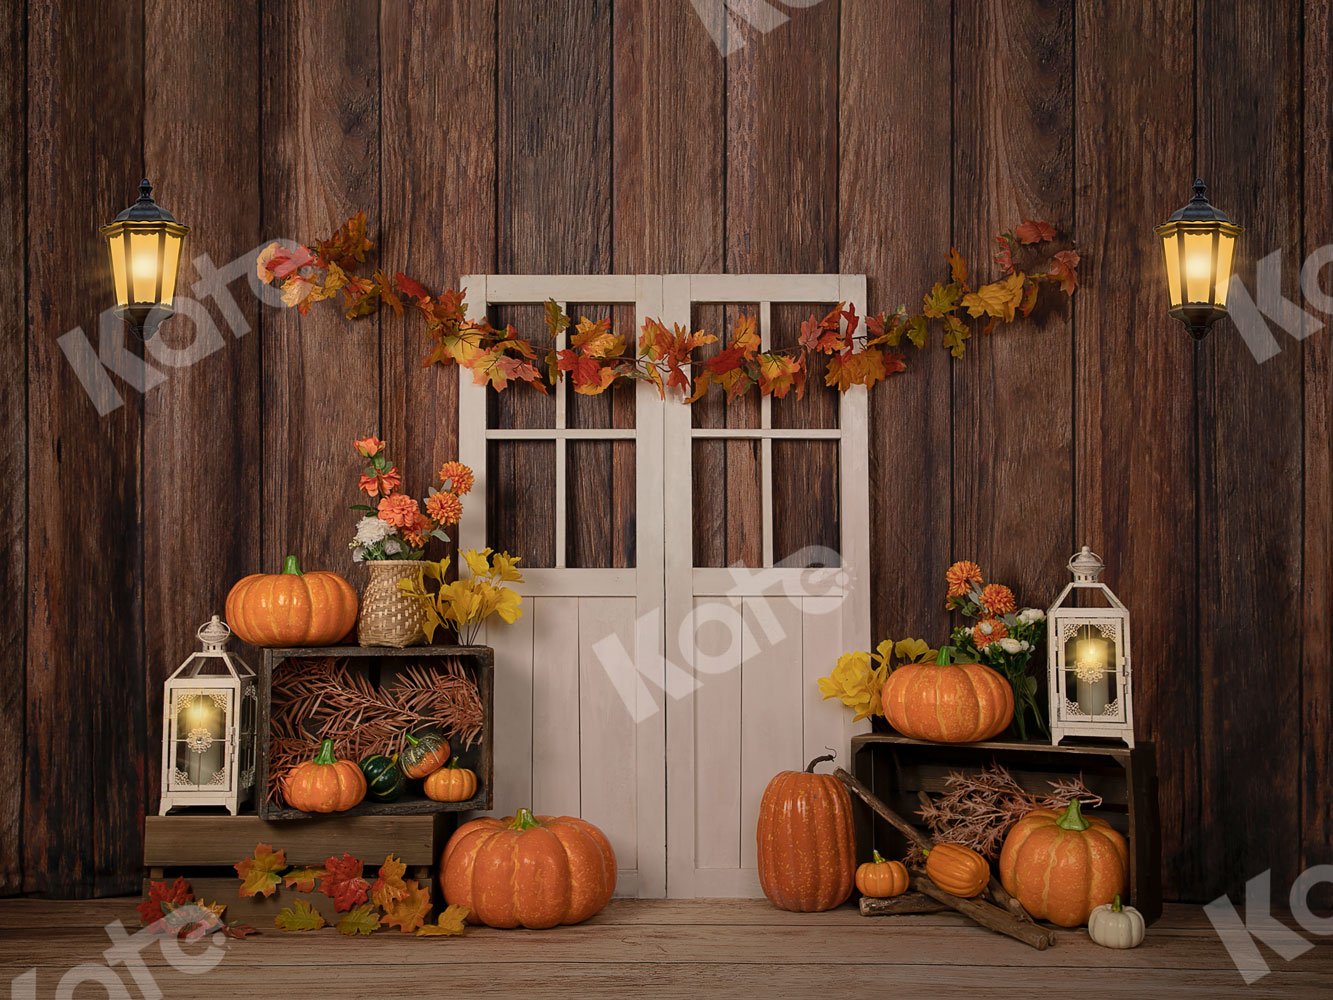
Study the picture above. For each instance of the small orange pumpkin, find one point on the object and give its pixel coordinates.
(451, 784)
(1062, 867)
(423, 754)
(948, 702)
(881, 879)
(291, 608)
(325, 784)
(957, 869)
(528, 871)
(806, 846)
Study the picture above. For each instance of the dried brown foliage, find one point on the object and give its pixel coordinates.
(978, 809)
(325, 699)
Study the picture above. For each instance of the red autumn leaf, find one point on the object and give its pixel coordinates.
(284, 263)
(1064, 267)
(1004, 256)
(726, 360)
(849, 314)
(348, 246)
(171, 893)
(410, 287)
(343, 882)
(1034, 232)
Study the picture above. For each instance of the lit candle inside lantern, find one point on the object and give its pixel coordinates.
(1092, 686)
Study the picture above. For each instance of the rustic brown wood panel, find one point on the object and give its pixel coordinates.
(1317, 570)
(1250, 460)
(894, 198)
(14, 450)
(782, 208)
(554, 192)
(1135, 502)
(437, 170)
(1012, 396)
(202, 148)
(85, 701)
(321, 134)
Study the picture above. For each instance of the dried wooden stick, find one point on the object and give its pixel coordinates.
(858, 788)
(988, 915)
(907, 903)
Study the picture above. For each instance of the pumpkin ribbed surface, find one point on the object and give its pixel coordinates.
(958, 869)
(948, 702)
(325, 784)
(528, 871)
(1061, 873)
(451, 784)
(880, 879)
(291, 608)
(805, 843)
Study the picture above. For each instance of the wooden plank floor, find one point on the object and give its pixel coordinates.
(723, 948)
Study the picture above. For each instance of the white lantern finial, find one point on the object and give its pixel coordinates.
(214, 634)
(1086, 565)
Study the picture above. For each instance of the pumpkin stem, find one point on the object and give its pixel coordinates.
(524, 820)
(411, 740)
(830, 756)
(454, 763)
(1073, 818)
(325, 755)
(944, 657)
(1115, 904)
(291, 566)
(877, 857)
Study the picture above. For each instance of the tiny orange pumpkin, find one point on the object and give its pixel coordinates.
(325, 784)
(881, 879)
(451, 783)
(957, 869)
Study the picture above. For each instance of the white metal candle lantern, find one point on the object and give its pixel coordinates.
(1088, 659)
(208, 727)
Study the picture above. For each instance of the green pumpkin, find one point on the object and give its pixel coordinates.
(384, 778)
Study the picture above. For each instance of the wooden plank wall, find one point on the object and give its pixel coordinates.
(861, 135)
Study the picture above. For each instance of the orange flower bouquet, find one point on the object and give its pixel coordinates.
(1001, 635)
(397, 526)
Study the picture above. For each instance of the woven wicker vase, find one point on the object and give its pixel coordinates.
(388, 616)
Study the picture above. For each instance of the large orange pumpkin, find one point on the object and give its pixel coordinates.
(325, 784)
(1063, 866)
(948, 702)
(528, 871)
(291, 608)
(806, 846)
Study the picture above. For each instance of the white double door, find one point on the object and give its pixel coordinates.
(656, 699)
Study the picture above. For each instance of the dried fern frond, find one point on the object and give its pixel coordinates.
(979, 808)
(325, 699)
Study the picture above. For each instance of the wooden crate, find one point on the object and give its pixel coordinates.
(479, 660)
(897, 769)
(202, 848)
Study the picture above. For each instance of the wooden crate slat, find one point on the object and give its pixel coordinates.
(200, 841)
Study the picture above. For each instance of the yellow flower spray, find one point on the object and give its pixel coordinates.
(466, 603)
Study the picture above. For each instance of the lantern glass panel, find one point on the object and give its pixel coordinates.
(170, 261)
(144, 265)
(200, 752)
(1091, 678)
(1226, 250)
(116, 248)
(1171, 251)
(1198, 247)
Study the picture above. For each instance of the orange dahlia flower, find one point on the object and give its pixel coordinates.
(988, 630)
(446, 508)
(459, 476)
(961, 577)
(381, 483)
(998, 599)
(419, 533)
(369, 446)
(400, 510)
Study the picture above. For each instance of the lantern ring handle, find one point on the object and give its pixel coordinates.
(214, 632)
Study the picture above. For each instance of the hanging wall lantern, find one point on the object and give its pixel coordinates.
(1088, 658)
(208, 727)
(1199, 246)
(145, 247)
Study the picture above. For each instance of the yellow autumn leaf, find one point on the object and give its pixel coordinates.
(998, 299)
(506, 566)
(913, 651)
(259, 873)
(362, 920)
(509, 607)
(478, 562)
(300, 916)
(450, 923)
(389, 886)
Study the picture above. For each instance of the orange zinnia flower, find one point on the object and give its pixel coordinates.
(446, 508)
(998, 599)
(368, 446)
(987, 631)
(381, 483)
(961, 576)
(418, 533)
(459, 476)
(400, 510)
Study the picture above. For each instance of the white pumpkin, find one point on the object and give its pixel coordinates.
(1114, 926)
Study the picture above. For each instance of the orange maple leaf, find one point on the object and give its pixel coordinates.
(1034, 232)
(410, 911)
(259, 873)
(389, 887)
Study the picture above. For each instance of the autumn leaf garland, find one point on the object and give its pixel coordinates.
(857, 351)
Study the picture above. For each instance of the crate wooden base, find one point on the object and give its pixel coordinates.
(897, 769)
(203, 849)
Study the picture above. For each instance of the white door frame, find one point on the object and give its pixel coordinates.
(632, 660)
(848, 587)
